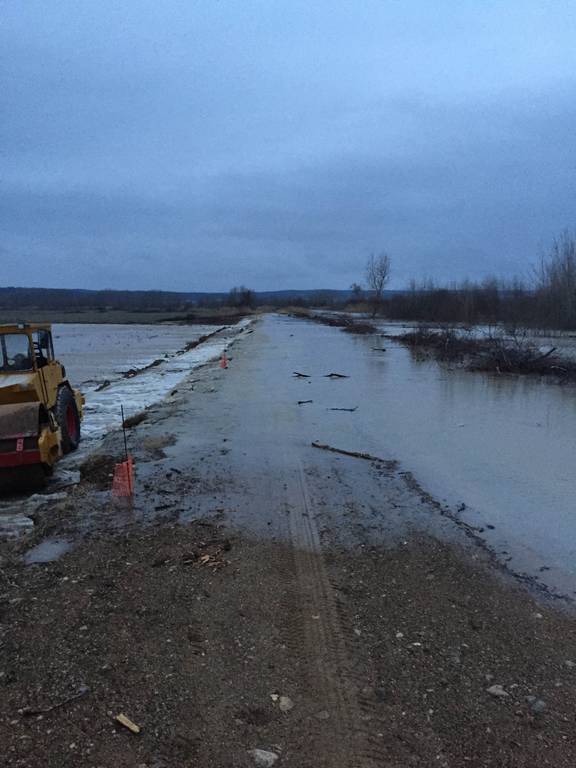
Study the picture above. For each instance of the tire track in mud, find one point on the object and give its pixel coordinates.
(351, 741)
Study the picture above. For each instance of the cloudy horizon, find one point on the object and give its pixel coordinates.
(194, 146)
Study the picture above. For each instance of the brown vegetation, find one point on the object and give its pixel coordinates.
(346, 323)
(498, 354)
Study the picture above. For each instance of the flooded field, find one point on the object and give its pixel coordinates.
(501, 448)
(97, 357)
(498, 449)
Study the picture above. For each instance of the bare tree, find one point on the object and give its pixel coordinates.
(240, 296)
(357, 293)
(377, 275)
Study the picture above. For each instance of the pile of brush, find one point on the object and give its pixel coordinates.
(499, 354)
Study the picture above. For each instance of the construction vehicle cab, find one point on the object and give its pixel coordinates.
(40, 413)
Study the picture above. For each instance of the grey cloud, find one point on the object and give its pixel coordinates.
(216, 144)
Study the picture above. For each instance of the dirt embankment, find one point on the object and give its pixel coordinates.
(344, 322)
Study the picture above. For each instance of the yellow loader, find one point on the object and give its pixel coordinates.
(40, 413)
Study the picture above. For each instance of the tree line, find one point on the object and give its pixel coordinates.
(546, 299)
(61, 299)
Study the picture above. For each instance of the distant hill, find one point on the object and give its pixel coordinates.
(68, 299)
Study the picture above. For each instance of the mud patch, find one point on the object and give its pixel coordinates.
(133, 421)
(98, 470)
(154, 445)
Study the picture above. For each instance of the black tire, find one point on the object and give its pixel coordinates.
(68, 420)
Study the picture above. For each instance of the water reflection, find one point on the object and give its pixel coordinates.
(501, 445)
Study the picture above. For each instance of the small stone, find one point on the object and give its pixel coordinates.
(322, 715)
(263, 758)
(570, 664)
(497, 691)
(285, 704)
(538, 706)
(84, 628)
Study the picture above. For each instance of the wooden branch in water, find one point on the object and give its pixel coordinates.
(354, 454)
(348, 410)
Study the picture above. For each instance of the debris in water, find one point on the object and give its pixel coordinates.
(354, 454)
(336, 376)
(303, 402)
(348, 410)
(299, 375)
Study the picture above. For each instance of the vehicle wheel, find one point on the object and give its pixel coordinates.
(68, 420)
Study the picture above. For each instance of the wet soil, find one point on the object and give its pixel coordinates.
(193, 634)
(260, 593)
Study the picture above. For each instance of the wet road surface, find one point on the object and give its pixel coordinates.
(462, 436)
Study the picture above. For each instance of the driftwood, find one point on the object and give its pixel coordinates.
(349, 410)
(336, 376)
(299, 375)
(303, 402)
(31, 711)
(353, 454)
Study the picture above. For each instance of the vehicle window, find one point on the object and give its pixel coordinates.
(43, 346)
(15, 352)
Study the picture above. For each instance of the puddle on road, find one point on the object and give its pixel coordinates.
(47, 551)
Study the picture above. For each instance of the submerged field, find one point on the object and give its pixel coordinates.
(129, 365)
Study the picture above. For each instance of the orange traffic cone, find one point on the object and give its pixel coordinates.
(123, 480)
(223, 361)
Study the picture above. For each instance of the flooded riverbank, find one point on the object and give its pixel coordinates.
(499, 450)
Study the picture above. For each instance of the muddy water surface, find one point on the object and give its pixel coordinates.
(501, 450)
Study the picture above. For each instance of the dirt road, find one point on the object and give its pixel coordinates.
(266, 601)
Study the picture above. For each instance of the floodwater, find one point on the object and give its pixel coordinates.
(499, 449)
(47, 551)
(96, 354)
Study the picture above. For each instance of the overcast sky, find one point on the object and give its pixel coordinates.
(197, 144)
